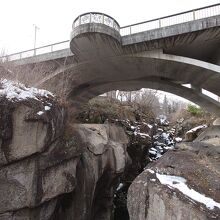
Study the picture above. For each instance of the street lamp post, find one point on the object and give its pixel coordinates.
(36, 28)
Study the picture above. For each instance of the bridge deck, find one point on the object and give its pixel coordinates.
(164, 27)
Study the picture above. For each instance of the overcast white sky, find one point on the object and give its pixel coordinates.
(54, 18)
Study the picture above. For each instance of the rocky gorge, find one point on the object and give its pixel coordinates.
(51, 169)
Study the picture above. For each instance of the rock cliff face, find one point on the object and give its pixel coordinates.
(102, 161)
(183, 184)
(54, 170)
(49, 171)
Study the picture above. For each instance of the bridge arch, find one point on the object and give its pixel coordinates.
(98, 45)
(82, 97)
(153, 70)
(103, 63)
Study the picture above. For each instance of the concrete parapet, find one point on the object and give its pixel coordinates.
(95, 37)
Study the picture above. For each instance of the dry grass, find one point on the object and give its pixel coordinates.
(100, 109)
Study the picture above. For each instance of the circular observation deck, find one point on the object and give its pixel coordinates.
(92, 32)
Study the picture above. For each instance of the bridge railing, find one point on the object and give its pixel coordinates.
(96, 17)
(37, 51)
(178, 18)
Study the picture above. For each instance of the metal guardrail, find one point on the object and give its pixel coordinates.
(170, 20)
(37, 51)
(96, 17)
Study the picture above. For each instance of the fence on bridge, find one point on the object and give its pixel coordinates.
(178, 18)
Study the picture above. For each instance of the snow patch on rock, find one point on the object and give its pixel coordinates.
(40, 113)
(47, 108)
(196, 128)
(179, 183)
(178, 139)
(18, 91)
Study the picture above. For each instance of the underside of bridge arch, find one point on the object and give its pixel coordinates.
(79, 98)
(154, 64)
(153, 70)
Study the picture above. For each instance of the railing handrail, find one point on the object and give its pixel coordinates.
(87, 13)
(123, 27)
(169, 16)
(37, 48)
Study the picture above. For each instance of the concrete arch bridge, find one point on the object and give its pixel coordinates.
(163, 54)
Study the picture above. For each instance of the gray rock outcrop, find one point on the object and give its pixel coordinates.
(51, 171)
(194, 168)
(193, 133)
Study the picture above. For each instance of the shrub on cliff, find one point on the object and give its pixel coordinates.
(194, 110)
(100, 109)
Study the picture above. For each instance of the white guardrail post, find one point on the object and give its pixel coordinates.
(194, 15)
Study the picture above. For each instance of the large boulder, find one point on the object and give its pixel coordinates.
(182, 180)
(102, 161)
(50, 169)
(31, 124)
(193, 133)
(211, 135)
(43, 212)
(30, 120)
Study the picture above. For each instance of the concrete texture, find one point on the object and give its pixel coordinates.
(190, 94)
(180, 39)
(163, 58)
(44, 57)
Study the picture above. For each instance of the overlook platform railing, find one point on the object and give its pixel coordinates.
(95, 17)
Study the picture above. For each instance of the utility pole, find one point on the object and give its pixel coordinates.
(36, 28)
